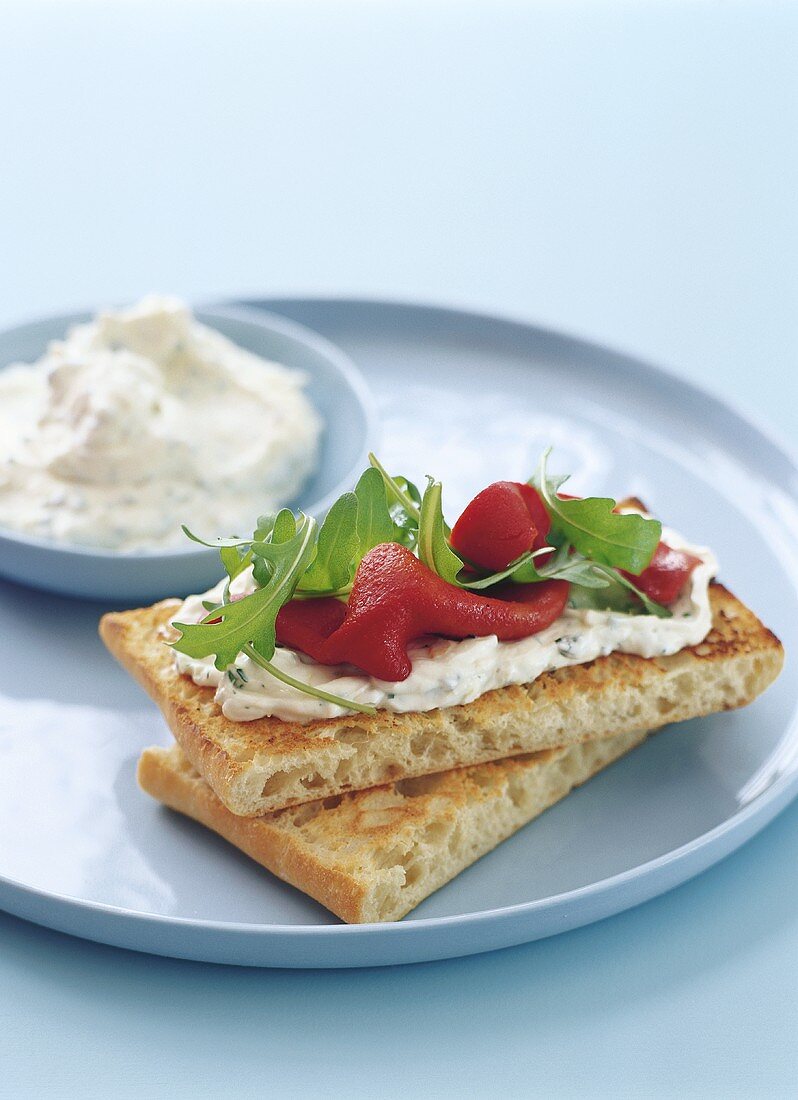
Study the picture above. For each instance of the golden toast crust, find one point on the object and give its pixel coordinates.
(374, 855)
(267, 764)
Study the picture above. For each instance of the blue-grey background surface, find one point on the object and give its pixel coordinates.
(626, 171)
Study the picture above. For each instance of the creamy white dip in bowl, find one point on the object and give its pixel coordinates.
(109, 561)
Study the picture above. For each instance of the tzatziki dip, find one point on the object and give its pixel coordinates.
(144, 419)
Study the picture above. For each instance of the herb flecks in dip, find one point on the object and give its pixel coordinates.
(446, 672)
(142, 419)
(385, 606)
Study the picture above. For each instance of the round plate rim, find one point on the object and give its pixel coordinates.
(735, 830)
(772, 435)
(786, 785)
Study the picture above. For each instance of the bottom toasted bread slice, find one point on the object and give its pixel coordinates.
(374, 855)
(265, 765)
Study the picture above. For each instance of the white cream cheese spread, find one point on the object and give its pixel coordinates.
(448, 673)
(144, 419)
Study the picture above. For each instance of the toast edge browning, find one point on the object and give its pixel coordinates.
(509, 793)
(739, 642)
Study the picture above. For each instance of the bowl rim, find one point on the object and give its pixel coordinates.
(205, 313)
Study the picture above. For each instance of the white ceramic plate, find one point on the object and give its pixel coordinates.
(471, 399)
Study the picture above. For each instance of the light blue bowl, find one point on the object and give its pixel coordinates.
(335, 387)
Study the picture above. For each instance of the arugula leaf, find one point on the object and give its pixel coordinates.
(522, 569)
(262, 532)
(617, 593)
(337, 548)
(595, 530)
(400, 491)
(235, 559)
(264, 527)
(374, 521)
(651, 606)
(252, 620)
(433, 536)
(355, 524)
(283, 529)
(562, 566)
(613, 597)
(593, 585)
(404, 505)
(236, 555)
(406, 523)
(408, 489)
(217, 544)
(576, 570)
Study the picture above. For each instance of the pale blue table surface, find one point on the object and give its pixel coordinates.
(626, 171)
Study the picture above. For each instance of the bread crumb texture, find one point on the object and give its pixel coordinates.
(373, 855)
(268, 764)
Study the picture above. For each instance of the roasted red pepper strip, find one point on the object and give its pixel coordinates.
(305, 624)
(395, 599)
(500, 524)
(666, 574)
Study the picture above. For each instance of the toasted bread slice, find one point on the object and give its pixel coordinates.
(267, 764)
(374, 855)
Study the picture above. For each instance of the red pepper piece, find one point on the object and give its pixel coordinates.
(500, 524)
(537, 512)
(396, 599)
(304, 624)
(666, 574)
